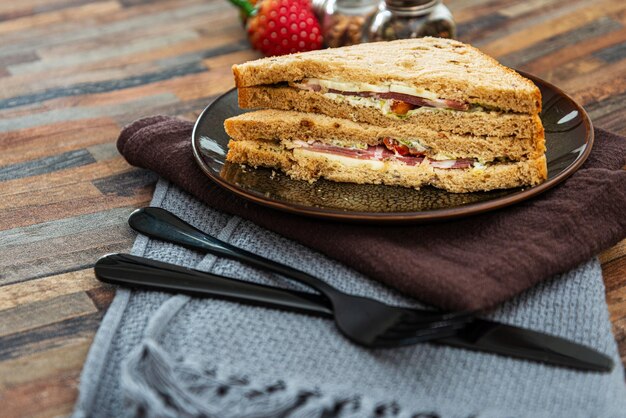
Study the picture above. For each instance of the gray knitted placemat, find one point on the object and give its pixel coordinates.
(161, 355)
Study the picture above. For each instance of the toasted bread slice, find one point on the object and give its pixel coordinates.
(303, 164)
(446, 68)
(478, 123)
(288, 126)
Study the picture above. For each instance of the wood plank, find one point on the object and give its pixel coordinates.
(24, 236)
(562, 73)
(616, 299)
(472, 31)
(614, 273)
(466, 10)
(125, 184)
(46, 165)
(58, 210)
(153, 14)
(104, 152)
(46, 288)
(135, 107)
(102, 296)
(42, 398)
(91, 78)
(612, 53)
(550, 12)
(597, 86)
(34, 315)
(613, 253)
(609, 113)
(44, 19)
(27, 5)
(50, 248)
(103, 53)
(592, 30)
(194, 23)
(189, 83)
(573, 52)
(65, 193)
(75, 175)
(613, 122)
(57, 366)
(70, 331)
(525, 38)
(522, 8)
(18, 58)
(100, 87)
(43, 365)
(63, 80)
(31, 143)
(193, 108)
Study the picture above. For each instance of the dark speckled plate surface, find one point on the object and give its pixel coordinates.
(569, 137)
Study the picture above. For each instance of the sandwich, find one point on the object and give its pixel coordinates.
(410, 113)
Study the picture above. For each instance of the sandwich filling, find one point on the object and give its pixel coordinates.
(395, 99)
(389, 150)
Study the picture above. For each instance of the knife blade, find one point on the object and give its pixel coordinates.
(480, 334)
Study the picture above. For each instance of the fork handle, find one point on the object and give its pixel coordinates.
(141, 272)
(161, 224)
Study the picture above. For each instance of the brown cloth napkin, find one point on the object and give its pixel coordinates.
(474, 263)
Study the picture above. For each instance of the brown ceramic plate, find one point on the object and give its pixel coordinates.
(569, 137)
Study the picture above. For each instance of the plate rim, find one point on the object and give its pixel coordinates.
(405, 217)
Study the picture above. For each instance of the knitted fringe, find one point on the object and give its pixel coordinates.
(156, 385)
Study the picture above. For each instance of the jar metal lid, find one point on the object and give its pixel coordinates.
(413, 7)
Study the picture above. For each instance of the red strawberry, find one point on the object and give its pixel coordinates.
(279, 27)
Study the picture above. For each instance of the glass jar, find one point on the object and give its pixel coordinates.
(402, 19)
(343, 21)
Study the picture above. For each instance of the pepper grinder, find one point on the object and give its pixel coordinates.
(402, 19)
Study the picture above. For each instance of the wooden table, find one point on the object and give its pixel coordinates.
(73, 72)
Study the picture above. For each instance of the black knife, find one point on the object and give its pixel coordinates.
(480, 334)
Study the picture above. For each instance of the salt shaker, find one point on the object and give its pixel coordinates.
(402, 19)
(343, 21)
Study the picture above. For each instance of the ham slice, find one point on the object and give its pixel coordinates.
(419, 101)
(460, 163)
(381, 153)
(412, 161)
(371, 153)
(407, 98)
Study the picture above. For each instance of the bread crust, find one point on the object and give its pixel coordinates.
(312, 166)
(483, 123)
(449, 68)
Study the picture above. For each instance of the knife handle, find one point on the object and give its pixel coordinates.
(141, 272)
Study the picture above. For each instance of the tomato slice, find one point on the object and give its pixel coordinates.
(402, 150)
(401, 108)
(395, 146)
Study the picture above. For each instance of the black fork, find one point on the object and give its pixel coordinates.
(363, 320)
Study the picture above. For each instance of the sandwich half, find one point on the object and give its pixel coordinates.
(443, 84)
(413, 112)
(309, 146)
